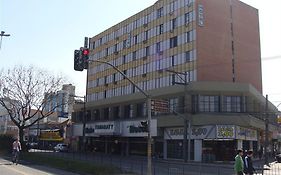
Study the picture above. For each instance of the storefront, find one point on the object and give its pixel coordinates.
(209, 143)
(123, 138)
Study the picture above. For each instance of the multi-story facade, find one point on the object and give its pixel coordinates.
(61, 103)
(210, 46)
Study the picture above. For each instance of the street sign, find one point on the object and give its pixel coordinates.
(160, 105)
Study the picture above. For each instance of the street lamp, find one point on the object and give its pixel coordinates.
(187, 122)
(3, 34)
(148, 99)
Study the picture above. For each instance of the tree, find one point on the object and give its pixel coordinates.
(25, 92)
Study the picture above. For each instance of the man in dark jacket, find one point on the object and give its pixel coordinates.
(248, 163)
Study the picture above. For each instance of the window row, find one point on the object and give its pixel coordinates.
(162, 28)
(144, 85)
(161, 62)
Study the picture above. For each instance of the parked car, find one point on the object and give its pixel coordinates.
(32, 145)
(278, 158)
(61, 148)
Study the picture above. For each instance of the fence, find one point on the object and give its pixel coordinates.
(138, 165)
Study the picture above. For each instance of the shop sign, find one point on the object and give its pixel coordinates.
(200, 15)
(196, 132)
(135, 128)
(102, 128)
(225, 131)
(246, 133)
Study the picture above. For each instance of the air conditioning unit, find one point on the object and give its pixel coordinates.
(116, 52)
(144, 41)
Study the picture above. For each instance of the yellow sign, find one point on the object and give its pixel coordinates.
(50, 136)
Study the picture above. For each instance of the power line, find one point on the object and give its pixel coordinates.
(271, 58)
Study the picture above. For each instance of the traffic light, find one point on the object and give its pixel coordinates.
(144, 126)
(78, 60)
(85, 55)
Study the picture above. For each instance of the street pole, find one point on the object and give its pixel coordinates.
(149, 139)
(187, 119)
(266, 133)
(84, 124)
(3, 34)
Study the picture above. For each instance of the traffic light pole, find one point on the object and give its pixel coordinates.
(148, 99)
(266, 133)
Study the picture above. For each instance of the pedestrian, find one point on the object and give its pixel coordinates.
(239, 165)
(248, 163)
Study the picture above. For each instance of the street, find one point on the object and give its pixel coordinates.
(7, 168)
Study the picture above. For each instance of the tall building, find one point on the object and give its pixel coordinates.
(61, 103)
(202, 58)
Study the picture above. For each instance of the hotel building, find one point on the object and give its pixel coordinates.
(202, 58)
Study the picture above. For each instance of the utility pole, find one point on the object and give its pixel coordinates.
(187, 120)
(3, 34)
(266, 133)
(84, 124)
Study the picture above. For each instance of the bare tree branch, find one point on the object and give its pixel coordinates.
(26, 91)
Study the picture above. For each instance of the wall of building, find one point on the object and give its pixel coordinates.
(228, 47)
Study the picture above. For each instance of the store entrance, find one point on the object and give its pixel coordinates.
(213, 150)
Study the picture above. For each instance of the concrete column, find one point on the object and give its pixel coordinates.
(239, 144)
(198, 150)
(165, 149)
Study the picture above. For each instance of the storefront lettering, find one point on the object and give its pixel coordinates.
(89, 130)
(108, 126)
(134, 129)
(225, 132)
(199, 131)
(195, 131)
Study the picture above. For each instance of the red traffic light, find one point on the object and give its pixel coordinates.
(86, 52)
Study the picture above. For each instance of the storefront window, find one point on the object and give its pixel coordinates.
(175, 149)
(232, 104)
(208, 103)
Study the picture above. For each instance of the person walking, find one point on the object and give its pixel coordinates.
(16, 150)
(239, 165)
(248, 164)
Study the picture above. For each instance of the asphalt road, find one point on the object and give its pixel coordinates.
(7, 168)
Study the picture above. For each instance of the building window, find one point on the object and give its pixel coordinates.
(124, 59)
(208, 103)
(186, 18)
(159, 12)
(134, 55)
(106, 113)
(172, 6)
(114, 78)
(158, 48)
(146, 35)
(232, 104)
(188, 36)
(115, 48)
(147, 51)
(188, 56)
(173, 60)
(116, 112)
(106, 52)
(173, 42)
(124, 72)
(124, 44)
(127, 111)
(160, 29)
(100, 41)
(136, 39)
(96, 114)
(140, 109)
(173, 23)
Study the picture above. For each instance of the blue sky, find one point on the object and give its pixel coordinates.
(45, 33)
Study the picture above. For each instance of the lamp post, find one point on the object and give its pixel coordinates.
(148, 99)
(187, 123)
(3, 34)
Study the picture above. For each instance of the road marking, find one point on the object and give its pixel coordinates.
(18, 171)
